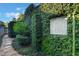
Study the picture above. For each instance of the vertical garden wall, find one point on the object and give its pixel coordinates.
(55, 44)
(36, 27)
(50, 44)
(33, 19)
(77, 37)
(40, 26)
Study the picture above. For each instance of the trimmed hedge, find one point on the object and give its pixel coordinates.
(21, 49)
(26, 51)
(23, 40)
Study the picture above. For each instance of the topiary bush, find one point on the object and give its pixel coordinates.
(23, 40)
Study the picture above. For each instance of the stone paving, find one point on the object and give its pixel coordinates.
(6, 48)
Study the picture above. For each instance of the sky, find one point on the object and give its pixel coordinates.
(8, 11)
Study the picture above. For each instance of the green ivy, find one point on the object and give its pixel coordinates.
(55, 44)
(40, 27)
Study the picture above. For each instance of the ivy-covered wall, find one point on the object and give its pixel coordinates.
(77, 36)
(42, 40)
(55, 44)
(33, 19)
(36, 27)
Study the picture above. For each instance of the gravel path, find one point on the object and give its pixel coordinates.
(6, 48)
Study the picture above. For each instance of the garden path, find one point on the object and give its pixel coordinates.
(6, 48)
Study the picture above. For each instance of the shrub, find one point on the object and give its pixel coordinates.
(26, 51)
(21, 28)
(22, 40)
(20, 49)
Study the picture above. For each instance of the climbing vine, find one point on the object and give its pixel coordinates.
(56, 44)
(40, 29)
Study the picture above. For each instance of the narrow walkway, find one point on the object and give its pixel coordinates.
(6, 48)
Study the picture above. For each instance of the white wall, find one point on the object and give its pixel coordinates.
(58, 26)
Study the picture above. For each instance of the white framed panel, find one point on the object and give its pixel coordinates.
(58, 26)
